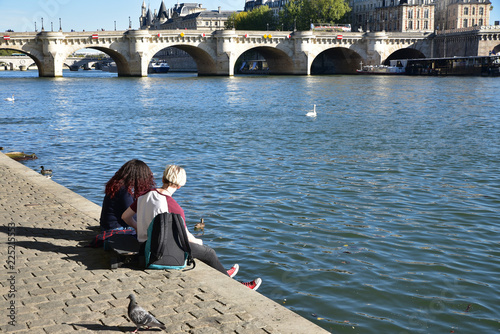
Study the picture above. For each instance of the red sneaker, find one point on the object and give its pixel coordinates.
(233, 271)
(254, 285)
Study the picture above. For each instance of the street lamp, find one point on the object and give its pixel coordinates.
(60, 25)
(42, 25)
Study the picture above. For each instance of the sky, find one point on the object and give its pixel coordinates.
(92, 15)
(89, 15)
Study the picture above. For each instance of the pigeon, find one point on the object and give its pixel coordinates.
(140, 317)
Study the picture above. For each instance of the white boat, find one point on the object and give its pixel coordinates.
(381, 70)
(396, 67)
(158, 67)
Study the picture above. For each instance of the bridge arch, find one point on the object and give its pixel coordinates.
(496, 49)
(122, 64)
(30, 53)
(204, 58)
(406, 53)
(338, 60)
(278, 60)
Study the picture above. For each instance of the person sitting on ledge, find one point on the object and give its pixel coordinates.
(160, 200)
(131, 180)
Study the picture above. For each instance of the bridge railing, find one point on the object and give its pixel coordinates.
(468, 29)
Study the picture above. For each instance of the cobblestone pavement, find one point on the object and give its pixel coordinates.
(51, 283)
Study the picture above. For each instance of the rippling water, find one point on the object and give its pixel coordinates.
(381, 215)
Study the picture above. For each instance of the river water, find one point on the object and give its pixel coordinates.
(380, 215)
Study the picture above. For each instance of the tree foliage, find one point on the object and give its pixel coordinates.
(260, 18)
(7, 52)
(300, 14)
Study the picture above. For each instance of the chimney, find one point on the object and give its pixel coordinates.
(219, 10)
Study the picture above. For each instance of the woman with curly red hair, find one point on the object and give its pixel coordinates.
(132, 180)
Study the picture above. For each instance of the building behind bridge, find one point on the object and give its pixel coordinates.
(419, 15)
(405, 15)
(183, 16)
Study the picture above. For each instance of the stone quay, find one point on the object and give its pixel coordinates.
(52, 283)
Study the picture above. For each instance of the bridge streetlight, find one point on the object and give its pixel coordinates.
(42, 25)
(115, 25)
(35, 27)
(60, 25)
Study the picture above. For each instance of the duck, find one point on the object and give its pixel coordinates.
(312, 113)
(200, 225)
(46, 172)
(12, 99)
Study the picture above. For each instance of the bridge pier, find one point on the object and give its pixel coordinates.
(52, 58)
(375, 47)
(304, 55)
(226, 58)
(136, 64)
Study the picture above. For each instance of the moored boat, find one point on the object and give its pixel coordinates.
(158, 67)
(396, 67)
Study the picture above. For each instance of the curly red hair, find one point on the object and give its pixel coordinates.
(135, 176)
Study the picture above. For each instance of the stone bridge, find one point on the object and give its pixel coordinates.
(216, 52)
(25, 62)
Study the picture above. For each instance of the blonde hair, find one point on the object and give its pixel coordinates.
(174, 175)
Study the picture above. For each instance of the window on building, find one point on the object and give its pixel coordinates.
(426, 24)
(466, 10)
(410, 25)
(465, 23)
(480, 22)
(481, 11)
(426, 14)
(473, 10)
(410, 13)
(418, 25)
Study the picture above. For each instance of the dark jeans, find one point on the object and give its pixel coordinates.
(206, 255)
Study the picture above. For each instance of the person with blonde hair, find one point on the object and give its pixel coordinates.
(160, 200)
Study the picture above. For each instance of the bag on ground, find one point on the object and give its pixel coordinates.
(167, 246)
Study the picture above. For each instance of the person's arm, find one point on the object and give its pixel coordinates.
(193, 239)
(128, 217)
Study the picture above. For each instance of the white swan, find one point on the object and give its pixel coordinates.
(10, 98)
(312, 113)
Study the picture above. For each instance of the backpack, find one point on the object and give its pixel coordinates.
(167, 246)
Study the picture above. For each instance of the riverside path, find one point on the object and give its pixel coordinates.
(52, 283)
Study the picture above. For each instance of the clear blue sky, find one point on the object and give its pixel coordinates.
(21, 15)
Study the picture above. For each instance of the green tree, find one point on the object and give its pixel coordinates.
(301, 13)
(289, 15)
(7, 52)
(260, 18)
